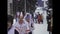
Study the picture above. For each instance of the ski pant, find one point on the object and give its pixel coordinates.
(30, 32)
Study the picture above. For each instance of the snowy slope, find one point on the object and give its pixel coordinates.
(40, 29)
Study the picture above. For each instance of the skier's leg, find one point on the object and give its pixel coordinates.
(30, 32)
(16, 32)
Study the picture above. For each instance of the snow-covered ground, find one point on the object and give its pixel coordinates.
(40, 29)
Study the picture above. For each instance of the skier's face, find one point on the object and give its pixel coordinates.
(28, 20)
(21, 21)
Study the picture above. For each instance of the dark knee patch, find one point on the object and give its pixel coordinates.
(16, 32)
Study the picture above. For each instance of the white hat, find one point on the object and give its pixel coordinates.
(21, 14)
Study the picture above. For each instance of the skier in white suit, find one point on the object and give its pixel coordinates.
(21, 27)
